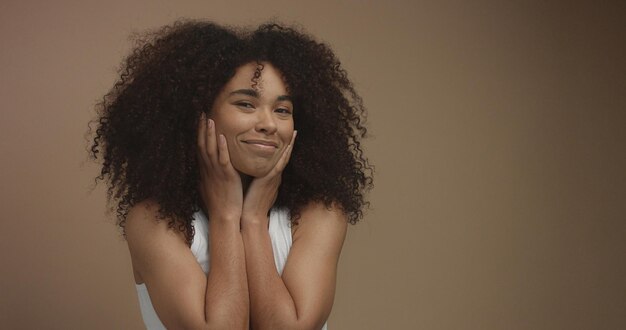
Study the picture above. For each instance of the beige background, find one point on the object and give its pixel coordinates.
(498, 135)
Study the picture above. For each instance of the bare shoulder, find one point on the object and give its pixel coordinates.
(143, 222)
(317, 219)
(148, 237)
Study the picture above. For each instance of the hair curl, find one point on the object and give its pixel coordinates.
(147, 123)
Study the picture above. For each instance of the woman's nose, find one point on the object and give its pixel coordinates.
(266, 122)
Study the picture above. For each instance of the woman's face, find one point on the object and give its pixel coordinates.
(256, 121)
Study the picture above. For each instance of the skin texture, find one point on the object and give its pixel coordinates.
(242, 271)
(251, 117)
(303, 297)
(205, 118)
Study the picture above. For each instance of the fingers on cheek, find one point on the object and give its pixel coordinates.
(223, 156)
(289, 152)
(201, 144)
(203, 159)
(210, 138)
(282, 163)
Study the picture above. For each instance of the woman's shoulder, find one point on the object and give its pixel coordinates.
(141, 215)
(149, 236)
(317, 217)
(317, 211)
(143, 220)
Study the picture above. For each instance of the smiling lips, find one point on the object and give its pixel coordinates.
(263, 147)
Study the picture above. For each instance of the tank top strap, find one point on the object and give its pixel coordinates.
(280, 235)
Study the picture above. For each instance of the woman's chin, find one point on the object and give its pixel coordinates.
(252, 165)
(253, 171)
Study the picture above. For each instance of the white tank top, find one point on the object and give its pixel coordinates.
(280, 235)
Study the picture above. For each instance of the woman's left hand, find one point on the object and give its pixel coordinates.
(262, 191)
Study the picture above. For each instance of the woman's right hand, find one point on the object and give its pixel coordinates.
(220, 184)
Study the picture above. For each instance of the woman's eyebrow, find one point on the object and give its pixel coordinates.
(284, 98)
(253, 93)
(249, 92)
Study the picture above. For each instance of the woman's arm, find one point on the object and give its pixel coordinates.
(182, 296)
(303, 297)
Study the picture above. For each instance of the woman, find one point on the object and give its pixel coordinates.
(231, 220)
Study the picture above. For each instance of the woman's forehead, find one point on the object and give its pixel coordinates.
(263, 78)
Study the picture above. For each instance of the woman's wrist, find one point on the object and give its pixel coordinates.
(225, 218)
(254, 221)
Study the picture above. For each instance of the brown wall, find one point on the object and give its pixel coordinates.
(498, 135)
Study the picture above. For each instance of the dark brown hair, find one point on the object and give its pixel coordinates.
(147, 123)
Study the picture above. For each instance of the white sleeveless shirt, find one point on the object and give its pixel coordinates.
(280, 235)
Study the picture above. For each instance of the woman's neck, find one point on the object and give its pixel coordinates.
(246, 180)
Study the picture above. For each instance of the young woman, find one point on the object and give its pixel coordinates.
(233, 158)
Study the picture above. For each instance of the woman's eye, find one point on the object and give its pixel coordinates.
(245, 105)
(283, 111)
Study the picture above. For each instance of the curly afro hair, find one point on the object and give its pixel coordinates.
(147, 123)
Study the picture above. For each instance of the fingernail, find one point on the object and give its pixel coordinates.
(222, 139)
(210, 123)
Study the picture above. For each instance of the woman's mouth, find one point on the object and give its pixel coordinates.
(262, 147)
(262, 143)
